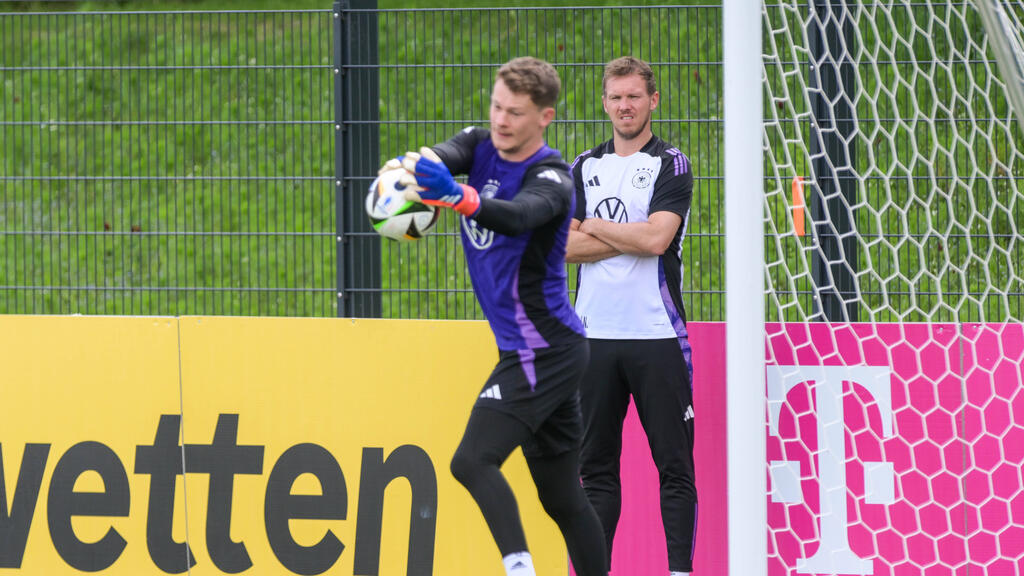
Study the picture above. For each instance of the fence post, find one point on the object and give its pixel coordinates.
(356, 156)
(833, 185)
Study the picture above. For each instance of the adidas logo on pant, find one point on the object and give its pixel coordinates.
(492, 392)
(689, 414)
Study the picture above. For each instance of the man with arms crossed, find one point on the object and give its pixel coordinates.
(514, 232)
(632, 204)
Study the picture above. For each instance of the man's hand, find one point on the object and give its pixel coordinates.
(406, 182)
(438, 188)
(583, 247)
(392, 164)
(649, 238)
(591, 226)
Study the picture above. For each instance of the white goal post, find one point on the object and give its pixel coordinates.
(874, 178)
(1007, 49)
(744, 308)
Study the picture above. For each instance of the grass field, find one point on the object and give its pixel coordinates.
(184, 163)
(212, 135)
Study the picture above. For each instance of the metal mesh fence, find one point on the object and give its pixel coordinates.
(897, 119)
(437, 78)
(167, 163)
(216, 162)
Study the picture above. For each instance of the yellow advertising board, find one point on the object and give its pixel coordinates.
(78, 396)
(310, 446)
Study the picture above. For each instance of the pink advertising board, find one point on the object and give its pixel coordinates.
(923, 476)
(640, 539)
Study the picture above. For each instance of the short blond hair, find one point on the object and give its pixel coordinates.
(628, 66)
(532, 76)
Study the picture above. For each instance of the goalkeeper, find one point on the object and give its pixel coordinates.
(515, 214)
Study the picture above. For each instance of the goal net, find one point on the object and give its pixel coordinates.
(894, 253)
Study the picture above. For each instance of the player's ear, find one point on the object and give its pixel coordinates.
(546, 116)
(654, 99)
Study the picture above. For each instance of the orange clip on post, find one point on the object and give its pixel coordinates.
(798, 205)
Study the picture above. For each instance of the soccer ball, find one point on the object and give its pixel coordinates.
(391, 214)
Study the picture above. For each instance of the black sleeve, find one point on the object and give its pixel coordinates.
(673, 189)
(577, 181)
(545, 195)
(457, 151)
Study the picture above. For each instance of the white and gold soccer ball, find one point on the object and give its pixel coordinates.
(391, 214)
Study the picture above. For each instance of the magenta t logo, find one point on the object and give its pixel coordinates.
(833, 555)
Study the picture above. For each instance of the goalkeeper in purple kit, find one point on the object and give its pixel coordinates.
(515, 215)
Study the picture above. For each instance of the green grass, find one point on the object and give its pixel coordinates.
(230, 205)
(189, 215)
(577, 42)
(165, 242)
(939, 180)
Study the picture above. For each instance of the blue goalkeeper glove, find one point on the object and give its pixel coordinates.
(438, 188)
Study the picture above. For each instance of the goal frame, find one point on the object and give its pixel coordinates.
(744, 280)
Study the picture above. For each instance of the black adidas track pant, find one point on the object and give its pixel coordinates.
(655, 374)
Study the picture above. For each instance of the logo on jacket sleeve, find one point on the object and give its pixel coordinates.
(550, 175)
